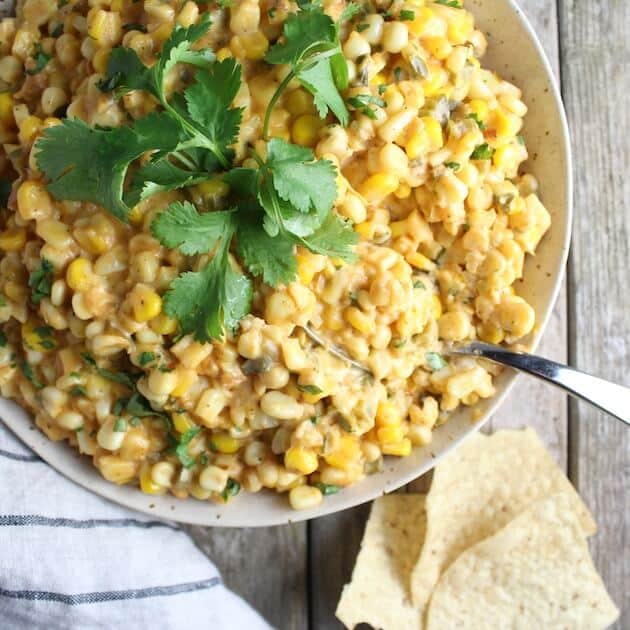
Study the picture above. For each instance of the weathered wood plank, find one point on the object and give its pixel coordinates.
(533, 403)
(596, 83)
(335, 539)
(267, 567)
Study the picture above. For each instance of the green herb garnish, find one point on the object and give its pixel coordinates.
(41, 60)
(455, 166)
(418, 284)
(120, 426)
(144, 358)
(407, 16)
(474, 116)
(40, 281)
(435, 360)
(520, 139)
(27, 370)
(327, 489)
(482, 152)
(310, 389)
(121, 378)
(362, 103)
(450, 3)
(78, 390)
(232, 488)
(181, 450)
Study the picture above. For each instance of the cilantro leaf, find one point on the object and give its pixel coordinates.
(40, 281)
(122, 378)
(435, 360)
(270, 257)
(482, 152)
(209, 99)
(334, 238)
(41, 59)
(318, 80)
(180, 225)
(208, 301)
(298, 178)
(89, 164)
(181, 450)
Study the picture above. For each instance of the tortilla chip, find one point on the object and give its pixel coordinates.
(477, 490)
(378, 593)
(536, 572)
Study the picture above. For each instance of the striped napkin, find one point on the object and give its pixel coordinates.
(71, 560)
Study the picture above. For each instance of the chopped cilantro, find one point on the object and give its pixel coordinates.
(40, 281)
(27, 370)
(135, 421)
(181, 450)
(520, 139)
(327, 489)
(450, 3)
(435, 360)
(482, 152)
(310, 389)
(78, 390)
(407, 15)
(144, 358)
(120, 426)
(397, 74)
(452, 165)
(116, 377)
(362, 102)
(418, 284)
(474, 116)
(134, 26)
(399, 343)
(232, 488)
(362, 27)
(41, 59)
(57, 31)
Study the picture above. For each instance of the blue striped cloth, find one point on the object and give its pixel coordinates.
(71, 560)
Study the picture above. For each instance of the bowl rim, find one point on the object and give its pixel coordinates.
(135, 500)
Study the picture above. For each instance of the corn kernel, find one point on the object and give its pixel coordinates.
(147, 485)
(365, 229)
(299, 102)
(402, 448)
(223, 53)
(389, 434)
(387, 414)
(490, 334)
(182, 422)
(185, 379)
(439, 47)
(479, 107)
(100, 59)
(346, 454)
(436, 306)
(422, 18)
(13, 240)
(29, 128)
(79, 274)
(6, 108)
(146, 304)
(224, 443)
(403, 191)
(460, 26)
(506, 158)
(417, 144)
(420, 261)
(359, 320)
(163, 324)
(212, 189)
(434, 84)
(376, 187)
(38, 337)
(434, 132)
(305, 130)
(302, 459)
(306, 269)
(507, 125)
(378, 79)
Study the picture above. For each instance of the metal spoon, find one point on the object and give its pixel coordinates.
(609, 397)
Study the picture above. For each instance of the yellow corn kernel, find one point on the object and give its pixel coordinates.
(434, 132)
(434, 84)
(136, 214)
(117, 5)
(13, 240)
(359, 320)
(29, 128)
(163, 324)
(100, 59)
(255, 45)
(304, 460)
(365, 229)
(376, 187)
(422, 18)
(403, 191)
(224, 443)
(490, 334)
(299, 102)
(389, 434)
(417, 144)
(332, 318)
(399, 228)
(460, 26)
(147, 485)
(223, 53)
(378, 79)
(146, 304)
(402, 448)
(38, 337)
(420, 261)
(507, 125)
(162, 33)
(506, 158)
(479, 108)
(436, 306)
(439, 47)
(305, 130)
(387, 414)
(14, 291)
(185, 379)
(79, 274)
(346, 454)
(105, 27)
(306, 268)
(183, 422)
(6, 108)
(212, 189)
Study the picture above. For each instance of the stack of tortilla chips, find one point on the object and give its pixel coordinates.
(498, 542)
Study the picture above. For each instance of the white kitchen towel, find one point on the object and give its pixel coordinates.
(70, 560)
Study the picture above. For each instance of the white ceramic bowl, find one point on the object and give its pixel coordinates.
(515, 53)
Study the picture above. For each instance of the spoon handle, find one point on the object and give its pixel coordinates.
(609, 397)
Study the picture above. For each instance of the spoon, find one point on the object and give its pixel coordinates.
(609, 397)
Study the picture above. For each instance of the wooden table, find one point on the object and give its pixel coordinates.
(293, 574)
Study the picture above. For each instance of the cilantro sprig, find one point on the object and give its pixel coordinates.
(286, 201)
(312, 49)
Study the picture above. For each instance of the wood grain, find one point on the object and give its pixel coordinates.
(596, 84)
(265, 566)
